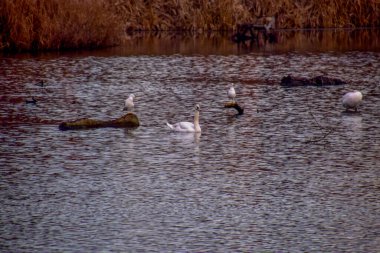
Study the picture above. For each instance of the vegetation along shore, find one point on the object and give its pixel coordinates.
(33, 25)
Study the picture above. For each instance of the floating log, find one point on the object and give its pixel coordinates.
(290, 81)
(128, 120)
(235, 105)
(40, 83)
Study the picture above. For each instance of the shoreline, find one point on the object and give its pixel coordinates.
(56, 25)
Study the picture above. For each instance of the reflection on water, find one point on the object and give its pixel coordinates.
(353, 125)
(294, 173)
(215, 43)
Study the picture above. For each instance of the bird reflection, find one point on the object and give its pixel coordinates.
(352, 123)
(188, 138)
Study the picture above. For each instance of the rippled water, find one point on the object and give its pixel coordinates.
(295, 173)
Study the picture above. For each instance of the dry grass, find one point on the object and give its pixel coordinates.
(65, 24)
(55, 24)
(225, 14)
(180, 14)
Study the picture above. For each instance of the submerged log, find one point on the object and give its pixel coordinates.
(290, 81)
(31, 101)
(128, 120)
(235, 105)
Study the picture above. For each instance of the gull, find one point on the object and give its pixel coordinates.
(129, 105)
(352, 99)
(231, 93)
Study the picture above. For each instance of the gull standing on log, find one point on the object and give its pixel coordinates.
(231, 93)
(129, 105)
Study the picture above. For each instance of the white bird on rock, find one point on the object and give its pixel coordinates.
(188, 126)
(352, 99)
(129, 105)
(231, 93)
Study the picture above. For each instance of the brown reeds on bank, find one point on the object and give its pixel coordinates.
(71, 24)
(226, 14)
(27, 25)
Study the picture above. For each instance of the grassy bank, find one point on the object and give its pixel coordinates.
(71, 24)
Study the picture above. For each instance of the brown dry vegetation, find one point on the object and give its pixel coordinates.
(225, 14)
(61, 24)
(57, 24)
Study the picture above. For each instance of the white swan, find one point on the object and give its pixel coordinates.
(231, 93)
(187, 126)
(352, 99)
(129, 105)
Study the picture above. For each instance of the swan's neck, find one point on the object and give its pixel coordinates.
(196, 122)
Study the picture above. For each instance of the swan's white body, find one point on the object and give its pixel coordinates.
(129, 105)
(231, 93)
(352, 99)
(187, 126)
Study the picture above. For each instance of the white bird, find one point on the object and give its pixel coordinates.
(187, 126)
(231, 93)
(129, 105)
(352, 99)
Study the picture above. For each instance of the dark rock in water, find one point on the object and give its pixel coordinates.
(31, 101)
(290, 81)
(40, 83)
(128, 120)
(324, 80)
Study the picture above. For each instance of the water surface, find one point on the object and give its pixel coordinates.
(295, 173)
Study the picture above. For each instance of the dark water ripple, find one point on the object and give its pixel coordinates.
(272, 180)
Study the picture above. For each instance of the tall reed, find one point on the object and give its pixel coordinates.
(225, 14)
(62, 24)
(56, 24)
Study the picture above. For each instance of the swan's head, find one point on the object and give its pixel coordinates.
(197, 107)
(231, 85)
(132, 96)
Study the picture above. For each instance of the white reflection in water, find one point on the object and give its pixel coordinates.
(353, 127)
(185, 139)
(353, 122)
